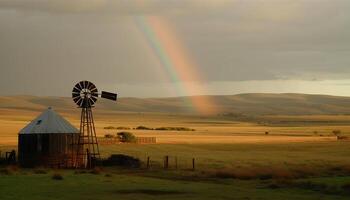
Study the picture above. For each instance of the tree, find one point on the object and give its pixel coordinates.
(126, 137)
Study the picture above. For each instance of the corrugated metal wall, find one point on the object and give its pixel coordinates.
(54, 150)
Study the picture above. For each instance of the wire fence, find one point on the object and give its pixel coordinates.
(168, 162)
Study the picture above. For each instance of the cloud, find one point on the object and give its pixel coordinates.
(115, 7)
(238, 40)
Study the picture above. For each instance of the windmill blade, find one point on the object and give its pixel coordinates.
(94, 98)
(76, 90)
(78, 86)
(75, 95)
(108, 95)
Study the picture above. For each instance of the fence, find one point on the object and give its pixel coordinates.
(108, 141)
(146, 140)
(116, 140)
(171, 162)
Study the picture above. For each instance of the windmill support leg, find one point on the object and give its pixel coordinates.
(87, 150)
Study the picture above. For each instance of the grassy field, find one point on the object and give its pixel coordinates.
(118, 184)
(258, 157)
(302, 170)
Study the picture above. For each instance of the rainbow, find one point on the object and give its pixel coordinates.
(174, 60)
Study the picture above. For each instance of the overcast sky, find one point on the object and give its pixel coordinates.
(238, 46)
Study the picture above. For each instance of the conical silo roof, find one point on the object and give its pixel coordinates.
(49, 122)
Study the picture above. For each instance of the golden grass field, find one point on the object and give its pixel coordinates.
(220, 140)
(208, 130)
(299, 158)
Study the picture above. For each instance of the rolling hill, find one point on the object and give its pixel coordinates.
(250, 104)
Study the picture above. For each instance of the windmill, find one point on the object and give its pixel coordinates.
(85, 95)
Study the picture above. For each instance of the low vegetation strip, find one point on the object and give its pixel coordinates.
(165, 128)
(116, 128)
(174, 129)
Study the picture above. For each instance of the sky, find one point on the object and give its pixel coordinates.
(160, 48)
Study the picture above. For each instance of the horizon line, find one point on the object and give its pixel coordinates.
(188, 96)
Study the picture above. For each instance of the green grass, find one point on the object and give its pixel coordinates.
(274, 171)
(213, 156)
(118, 185)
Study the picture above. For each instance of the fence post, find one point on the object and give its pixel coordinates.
(166, 162)
(193, 164)
(175, 162)
(148, 162)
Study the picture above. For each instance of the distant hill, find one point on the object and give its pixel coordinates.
(250, 104)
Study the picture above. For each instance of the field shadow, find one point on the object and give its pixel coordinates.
(151, 192)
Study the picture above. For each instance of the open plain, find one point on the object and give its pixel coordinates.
(265, 156)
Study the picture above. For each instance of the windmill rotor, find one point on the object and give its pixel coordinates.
(85, 94)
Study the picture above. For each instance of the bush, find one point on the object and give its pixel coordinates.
(109, 136)
(122, 160)
(9, 170)
(123, 128)
(96, 171)
(143, 128)
(174, 129)
(57, 176)
(342, 137)
(336, 132)
(126, 137)
(3, 161)
(117, 128)
(109, 127)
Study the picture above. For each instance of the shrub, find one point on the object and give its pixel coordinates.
(122, 160)
(342, 137)
(143, 128)
(9, 170)
(3, 161)
(96, 170)
(336, 132)
(6, 171)
(123, 128)
(126, 137)
(57, 176)
(109, 136)
(174, 129)
(109, 127)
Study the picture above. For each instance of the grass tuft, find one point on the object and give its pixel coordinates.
(57, 176)
(9, 170)
(40, 171)
(96, 171)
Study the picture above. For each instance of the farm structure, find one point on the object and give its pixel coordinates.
(47, 141)
(116, 140)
